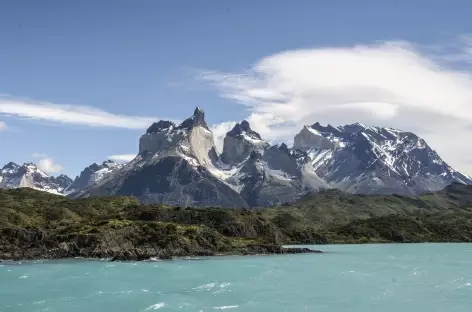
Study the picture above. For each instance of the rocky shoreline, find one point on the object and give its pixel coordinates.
(133, 241)
(142, 254)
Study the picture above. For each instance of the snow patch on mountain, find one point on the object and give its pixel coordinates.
(93, 174)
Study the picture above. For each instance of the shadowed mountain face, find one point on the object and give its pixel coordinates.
(179, 165)
(92, 174)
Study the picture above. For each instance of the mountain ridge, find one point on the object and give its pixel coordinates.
(178, 164)
(365, 158)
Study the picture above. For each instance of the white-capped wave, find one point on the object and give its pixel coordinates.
(226, 307)
(210, 286)
(156, 306)
(205, 287)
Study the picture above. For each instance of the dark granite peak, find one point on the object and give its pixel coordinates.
(11, 165)
(197, 119)
(243, 127)
(319, 127)
(160, 126)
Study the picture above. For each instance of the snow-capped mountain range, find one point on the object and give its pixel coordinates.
(179, 165)
(28, 175)
(371, 160)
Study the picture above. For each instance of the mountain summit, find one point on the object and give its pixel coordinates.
(179, 165)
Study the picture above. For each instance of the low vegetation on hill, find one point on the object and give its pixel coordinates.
(35, 224)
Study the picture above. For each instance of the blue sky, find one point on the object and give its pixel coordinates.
(155, 59)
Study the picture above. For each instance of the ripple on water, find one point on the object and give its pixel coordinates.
(298, 283)
(210, 286)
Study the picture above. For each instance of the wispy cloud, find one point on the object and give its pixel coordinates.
(122, 157)
(465, 49)
(3, 126)
(49, 166)
(389, 83)
(46, 163)
(70, 114)
(219, 133)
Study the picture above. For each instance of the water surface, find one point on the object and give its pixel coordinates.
(395, 277)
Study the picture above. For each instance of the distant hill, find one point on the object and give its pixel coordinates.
(334, 207)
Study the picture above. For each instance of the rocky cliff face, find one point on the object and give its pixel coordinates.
(261, 185)
(240, 142)
(177, 164)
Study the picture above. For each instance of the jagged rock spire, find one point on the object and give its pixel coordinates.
(284, 147)
(197, 119)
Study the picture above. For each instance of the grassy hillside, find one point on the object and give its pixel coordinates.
(35, 224)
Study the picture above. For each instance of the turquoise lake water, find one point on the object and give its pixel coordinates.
(397, 277)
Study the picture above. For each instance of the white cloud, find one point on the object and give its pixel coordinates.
(69, 114)
(122, 157)
(3, 126)
(219, 133)
(391, 84)
(47, 165)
